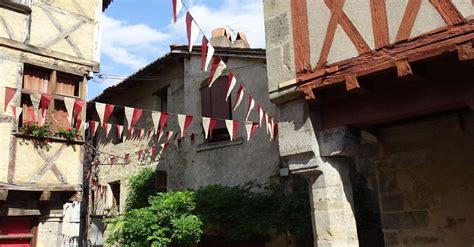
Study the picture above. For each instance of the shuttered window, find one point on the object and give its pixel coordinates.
(213, 104)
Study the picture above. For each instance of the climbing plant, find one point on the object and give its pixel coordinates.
(141, 187)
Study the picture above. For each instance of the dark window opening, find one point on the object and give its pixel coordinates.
(161, 181)
(214, 104)
(115, 187)
(161, 99)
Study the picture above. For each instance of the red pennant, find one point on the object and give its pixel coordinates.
(253, 129)
(165, 146)
(78, 124)
(235, 128)
(248, 107)
(203, 51)
(108, 111)
(44, 102)
(137, 113)
(215, 63)
(139, 133)
(140, 152)
(229, 82)
(192, 136)
(163, 120)
(237, 97)
(119, 130)
(212, 124)
(275, 131)
(189, 21)
(175, 10)
(92, 128)
(9, 94)
(153, 150)
(78, 106)
(14, 110)
(31, 111)
(187, 123)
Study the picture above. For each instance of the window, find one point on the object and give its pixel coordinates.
(213, 104)
(58, 84)
(161, 181)
(115, 187)
(161, 99)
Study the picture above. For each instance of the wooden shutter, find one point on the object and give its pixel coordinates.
(206, 101)
(67, 85)
(220, 108)
(36, 79)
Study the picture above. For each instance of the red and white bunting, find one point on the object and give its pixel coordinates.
(163, 120)
(155, 116)
(119, 131)
(269, 125)
(239, 97)
(230, 84)
(137, 113)
(139, 153)
(104, 111)
(32, 113)
(69, 103)
(204, 45)
(9, 94)
(44, 102)
(260, 114)
(128, 116)
(93, 127)
(107, 128)
(139, 133)
(250, 127)
(210, 54)
(208, 124)
(192, 30)
(177, 6)
(218, 66)
(154, 149)
(275, 131)
(169, 134)
(16, 112)
(232, 128)
(251, 105)
(78, 106)
(184, 123)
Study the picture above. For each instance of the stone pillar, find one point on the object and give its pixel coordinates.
(49, 231)
(323, 159)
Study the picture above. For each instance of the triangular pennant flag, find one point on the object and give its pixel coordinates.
(260, 114)
(250, 107)
(108, 112)
(16, 112)
(251, 127)
(192, 30)
(275, 131)
(177, 5)
(139, 133)
(100, 108)
(265, 118)
(69, 103)
(148, 133)
(155, 116)
(169, 134)
(107, 128)
(270, 126)
(163, 120)
(230, 84)
(9, 94)
(217, 68)
(153, 149)
(78, 106)
(272, 130)
(212, 124)
(239, 97)
(140, 153)
(119, 131)
(205, 124)
(192, 137)
(184, 122)
(232, 128)
(32, 114)
(210, 54)
(44, 102)
(203, 51)
(35, 100)
(93, 127)
(128, 116)
(137, 113)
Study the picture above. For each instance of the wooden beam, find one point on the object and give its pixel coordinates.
(336, 11)
(77, 197)
(427, 46)
(40, 187)
(403, 68)
(3, 195)
(466, 51)
(18, 7)
(448, 12)
(379, 23)
(408, 20)
(299, 21)
(351, 82)
(62, 35)
(45, 196)
(12, 161)
(13, 44)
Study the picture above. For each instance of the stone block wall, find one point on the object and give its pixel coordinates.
(421, 175)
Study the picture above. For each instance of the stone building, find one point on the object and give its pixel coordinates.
(175, 83)
(48, 47)
(376, 101)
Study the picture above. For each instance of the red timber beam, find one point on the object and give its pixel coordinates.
(299, 21)
(444, 40)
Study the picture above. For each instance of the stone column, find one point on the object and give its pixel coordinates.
(49, 231)
(323, 159)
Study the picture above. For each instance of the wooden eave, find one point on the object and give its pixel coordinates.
(458, 38)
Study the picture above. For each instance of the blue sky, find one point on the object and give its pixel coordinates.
(135, 34)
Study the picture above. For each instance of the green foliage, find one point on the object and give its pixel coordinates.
(35, 130)
(141, 187)
(70, 134)
(168, 221)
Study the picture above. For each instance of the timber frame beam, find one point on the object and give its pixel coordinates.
(456, 38)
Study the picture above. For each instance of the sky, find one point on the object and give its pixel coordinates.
(134, 35)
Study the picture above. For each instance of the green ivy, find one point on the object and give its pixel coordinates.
(141, 187)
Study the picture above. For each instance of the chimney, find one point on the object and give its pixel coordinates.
(241, 41)
(221, 38)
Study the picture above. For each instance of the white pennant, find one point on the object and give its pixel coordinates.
(179, 6)
(119, 130)
(107, 129)
(18, 112)
(160, 135)
(252, 105)
(96, 125)
(239, 100)
(269, 127)
(248, 128)
(205, 124)
(35, 100)
(155, 116)
(129, 115)
(260, 116)
(181, 120)
(230, 128)
(100, 108)
(194, 33)
(169, 134)
(220, 68)
(272, 132)
(231, 87)
(69, 103)
(210, 54)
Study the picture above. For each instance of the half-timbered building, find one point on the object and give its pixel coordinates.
(47, 48)
(375, 99)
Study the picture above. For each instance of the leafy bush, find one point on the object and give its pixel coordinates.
(142, 186)
(35, 130)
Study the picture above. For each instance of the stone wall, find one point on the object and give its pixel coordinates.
(421, 174)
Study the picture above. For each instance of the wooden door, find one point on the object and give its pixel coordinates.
(16, 232)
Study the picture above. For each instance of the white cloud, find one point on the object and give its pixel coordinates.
(240, 15)
(129, 44)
